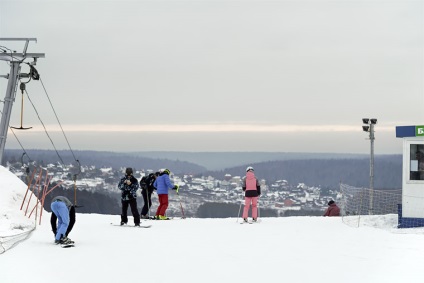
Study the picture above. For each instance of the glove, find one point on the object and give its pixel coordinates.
(54, 232)
(176, 187)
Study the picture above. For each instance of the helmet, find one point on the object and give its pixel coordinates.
(128, 171)
(330, 202)
(166, 171)
(250, 168)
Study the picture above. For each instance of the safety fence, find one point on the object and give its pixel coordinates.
(356, 202)
(32, 207)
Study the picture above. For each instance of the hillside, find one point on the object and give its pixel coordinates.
(290, 249)
(103, 159)
(325, 170)
(221, 160)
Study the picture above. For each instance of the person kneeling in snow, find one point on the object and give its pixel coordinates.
(64, 212)
(332, 210)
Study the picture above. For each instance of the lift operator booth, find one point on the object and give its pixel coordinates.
(411, 211)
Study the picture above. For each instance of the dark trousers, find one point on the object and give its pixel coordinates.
(147, 197)
(133, 204)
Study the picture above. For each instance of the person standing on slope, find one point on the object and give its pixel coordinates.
(129, 186)
(252, 191)
(163, 184)
(147, 188)
(61, 207)
(332, 210)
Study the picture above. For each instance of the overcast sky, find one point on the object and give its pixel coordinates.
(219, 75)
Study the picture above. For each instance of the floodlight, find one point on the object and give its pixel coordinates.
(369, 127)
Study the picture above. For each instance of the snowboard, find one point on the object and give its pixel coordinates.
(133, 226)
(71, 245)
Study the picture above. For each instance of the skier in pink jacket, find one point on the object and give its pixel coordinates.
(252, 191)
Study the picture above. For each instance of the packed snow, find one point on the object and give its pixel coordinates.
(290, 249)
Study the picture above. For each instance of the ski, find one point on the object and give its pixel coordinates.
(141, 226)
(148, 218)
(168, 218)
(250, 222)
(71, 245)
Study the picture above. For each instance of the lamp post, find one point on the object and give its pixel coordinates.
(369, 127)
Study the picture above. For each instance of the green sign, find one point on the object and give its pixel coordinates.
(419, 131)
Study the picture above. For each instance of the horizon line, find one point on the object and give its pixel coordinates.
(241, 128)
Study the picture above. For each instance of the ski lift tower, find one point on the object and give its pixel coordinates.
(15, 60)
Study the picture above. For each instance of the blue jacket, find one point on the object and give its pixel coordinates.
(163, 184)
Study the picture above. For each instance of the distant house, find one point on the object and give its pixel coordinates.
(288, 202)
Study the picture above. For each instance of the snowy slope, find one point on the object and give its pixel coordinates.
(292, 249)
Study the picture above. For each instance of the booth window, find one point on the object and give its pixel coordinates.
(416, 167)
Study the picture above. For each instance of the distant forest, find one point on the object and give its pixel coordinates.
(323, 172)
(327, 173)
(102, 159)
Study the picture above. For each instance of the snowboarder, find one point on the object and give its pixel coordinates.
(163, 184)
(252, 191)
(146, 185)
(61, 210)
(53, 220)
(332, 210)
(129, 186)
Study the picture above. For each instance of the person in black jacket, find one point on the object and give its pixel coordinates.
(146, 185)
(129, 186)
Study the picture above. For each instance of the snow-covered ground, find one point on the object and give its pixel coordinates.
(292, 249)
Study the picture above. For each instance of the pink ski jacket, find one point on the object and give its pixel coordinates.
(251, 185)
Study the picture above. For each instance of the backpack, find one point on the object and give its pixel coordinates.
(143, 183)
(146, 183)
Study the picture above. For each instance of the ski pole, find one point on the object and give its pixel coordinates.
(241, 202)
(148, 203)
(181, 206)
(259, 214)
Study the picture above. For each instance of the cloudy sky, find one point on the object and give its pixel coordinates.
(218, 75)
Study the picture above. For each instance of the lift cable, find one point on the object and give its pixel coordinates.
(44, 128)
(63, 132)
(13, 132)
(16, 137)
(4, 49)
